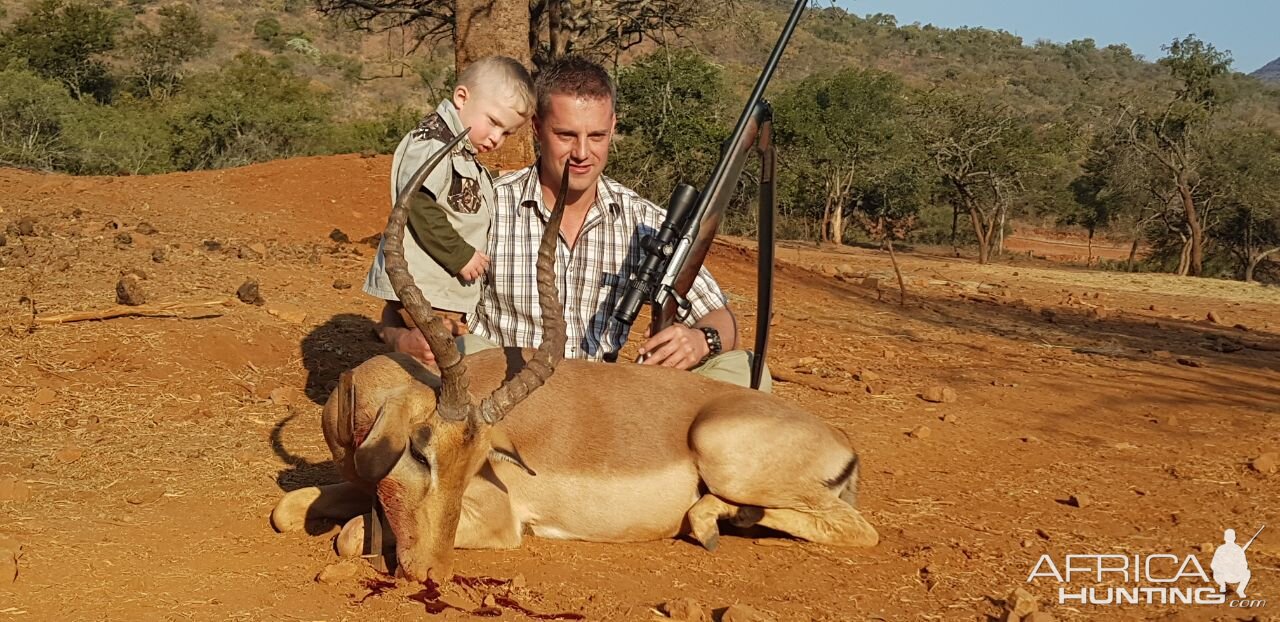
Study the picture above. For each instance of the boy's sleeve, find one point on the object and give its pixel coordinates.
(430, 226)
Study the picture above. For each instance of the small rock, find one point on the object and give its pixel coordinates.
(685, 609)
(1240, 327)
(889, 354)
(145, 228)
(344, 570)
(1189, 362)
(1267, 463)
(27, 226)
(135, 272)
(519, 582)
(939, 395)
(341, 284)
(950, 418)
(212, 245)
(77, 212)
(1151, 308)
(920, 432)
(248, 254)
(1042, 533)
(259, 248)
(1207, 547)
(112, 225)
(808, 361)
(873, 388)
(1099, 313)
(145, 494)
(1020, 603)
(866, 375)
(13, 489)
(489, 602)
(1214, 318)
(158, 255)
(287, 312)
(1079, 500)
(124, 239)
(1030, 440)
(248, 293)
(67, 455)
(1049, 315)
(1027, 543)
(743, 613)
(129, 291)
(46, 396)
(338, 236)
(279, 396)
(372, 241)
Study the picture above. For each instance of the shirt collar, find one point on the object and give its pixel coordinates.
(531, 196)
(449, 113)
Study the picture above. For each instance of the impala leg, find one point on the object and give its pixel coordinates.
(835, 523)
(703, 517)
(337, 502)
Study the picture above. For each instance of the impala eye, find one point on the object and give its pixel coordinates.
(419, 457)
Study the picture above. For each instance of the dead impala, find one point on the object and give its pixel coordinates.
(594, 451)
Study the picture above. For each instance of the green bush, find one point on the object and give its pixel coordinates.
(129, 137)
(33, 115)
(252, 110)
(380, 134)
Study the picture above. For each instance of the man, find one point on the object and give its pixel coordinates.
(598, 249)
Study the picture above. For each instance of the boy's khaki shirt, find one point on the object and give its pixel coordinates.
(449, 218)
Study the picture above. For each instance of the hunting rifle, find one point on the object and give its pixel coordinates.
(675, 253)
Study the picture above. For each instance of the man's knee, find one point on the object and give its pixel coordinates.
(734, 367)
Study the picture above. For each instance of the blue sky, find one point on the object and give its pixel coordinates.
(1245, 27)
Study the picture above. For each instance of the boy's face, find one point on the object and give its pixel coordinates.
(491, 115)
(577, 130)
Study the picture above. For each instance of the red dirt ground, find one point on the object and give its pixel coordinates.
(140, 457)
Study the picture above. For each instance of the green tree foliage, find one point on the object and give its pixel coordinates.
(848, 132)
(253, 109)
(33, 114)
(1243, 176)
(65, 40)
(671, 121)
(157, 56)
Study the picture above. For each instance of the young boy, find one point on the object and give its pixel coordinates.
(450, 215)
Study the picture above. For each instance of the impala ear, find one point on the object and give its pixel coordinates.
(503, 450)
(382, 449)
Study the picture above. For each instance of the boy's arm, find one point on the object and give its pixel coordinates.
(430, 226)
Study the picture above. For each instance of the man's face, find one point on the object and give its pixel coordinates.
(577, 130)
(491, 114)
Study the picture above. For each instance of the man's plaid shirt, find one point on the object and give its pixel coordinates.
(591, 277)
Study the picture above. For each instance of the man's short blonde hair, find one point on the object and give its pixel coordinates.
(501, 75)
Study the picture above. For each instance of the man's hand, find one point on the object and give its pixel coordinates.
(675, 346)
(475, 268)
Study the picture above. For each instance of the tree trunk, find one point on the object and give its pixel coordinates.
(1133, 255)
(902, 286)
(475, 36)
(1184, 261)
(1000, 234)
(837, 226)
(1193, 223)
(824, 235)
(983, 233)
(1254, 260)
(955, 221)
(1088, 260)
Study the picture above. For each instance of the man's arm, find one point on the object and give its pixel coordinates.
(682, 346)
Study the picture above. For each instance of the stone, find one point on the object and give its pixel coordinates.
(248, 254)
(686, 610)
(1079, 500)
(129, 291)
(124, 239)
(212, 245)
(158, 255)
(1020, 603)
(743, 613)
(67, 455)
(939, 395)
(337, 235)
(248, 293)
(341, 284)
(145, 228)
(259, 248)
(950, 418)
(46, 396)
(339, 572)
(921, 432)
(1267, 463)
(288, 312)
(1214, 318)
(13, 489)
(27, 226)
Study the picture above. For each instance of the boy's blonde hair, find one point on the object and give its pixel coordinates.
(499, 74)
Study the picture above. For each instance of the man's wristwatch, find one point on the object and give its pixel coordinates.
(713, 342)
